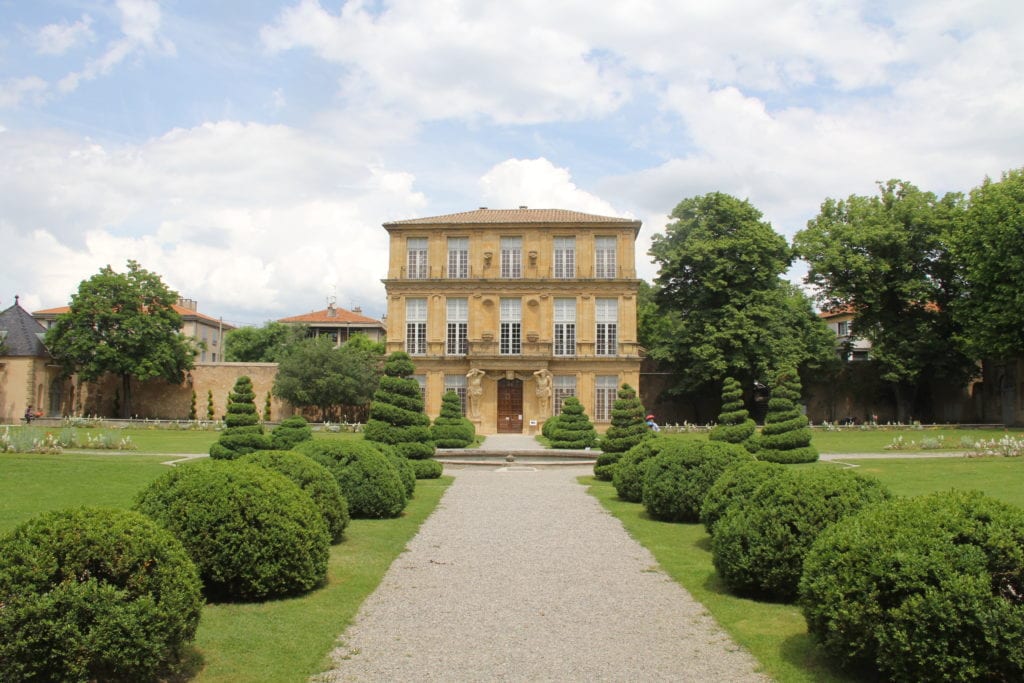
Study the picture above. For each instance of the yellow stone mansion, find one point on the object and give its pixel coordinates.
(516, 310)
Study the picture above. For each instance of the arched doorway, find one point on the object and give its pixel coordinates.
(510, 406)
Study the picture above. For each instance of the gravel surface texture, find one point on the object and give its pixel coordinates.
(519, 575)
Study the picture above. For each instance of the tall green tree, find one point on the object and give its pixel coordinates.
(887, 259)
(723, 308)
(124, 324)
(267, 344)
(989, 250)
(315, 373)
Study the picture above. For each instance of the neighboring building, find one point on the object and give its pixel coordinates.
(516, 310)
(848, 347)
(338, 324)
(203, 328)
(28, 376)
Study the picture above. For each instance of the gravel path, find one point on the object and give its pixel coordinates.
(519, 575)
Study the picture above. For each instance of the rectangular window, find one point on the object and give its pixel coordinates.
(565, 257)
(456, 342)
(607, 337)
(565, 327)
(843, 328)
(512, 257)
(604, 257)
(416, 327)
(457, 383)
(511, 342)
(416, 250)
(458, 257)
(563, 386)
(604, 396)
(422, 381)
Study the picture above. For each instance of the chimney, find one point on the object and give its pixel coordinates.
(483, 208)
(357, 309)
(523, 206)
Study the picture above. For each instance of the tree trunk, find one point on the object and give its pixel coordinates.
(126, 395)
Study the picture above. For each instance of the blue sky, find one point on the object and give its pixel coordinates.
(248, 151)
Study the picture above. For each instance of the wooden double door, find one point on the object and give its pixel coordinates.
(510, 406)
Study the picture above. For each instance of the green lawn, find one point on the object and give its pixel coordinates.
(282, 640)
(776, 634)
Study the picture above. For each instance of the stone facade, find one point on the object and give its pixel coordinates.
(516, 310)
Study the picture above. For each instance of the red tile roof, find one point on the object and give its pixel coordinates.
(485, 216)
(340, 317)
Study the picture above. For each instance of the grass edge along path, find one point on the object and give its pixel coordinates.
(775, 634)
(291, 639)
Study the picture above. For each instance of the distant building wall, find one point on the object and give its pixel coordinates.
(158, 399)
(24, 381)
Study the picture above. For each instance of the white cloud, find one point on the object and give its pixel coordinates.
(539, 184)
(57, 39)
(17, 90)
(140, 28)
(442, 60)
(250, 220)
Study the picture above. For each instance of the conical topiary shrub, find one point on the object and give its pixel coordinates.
(451, 429)
(786, 437)
(734, 423)
(290, 433)
(627, 429)
(396, 414)
(243, 433)
(573, 429)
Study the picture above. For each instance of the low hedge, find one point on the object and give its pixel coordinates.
(737, 483)
(922, 589)
(759, 544)
(253, 533)
(371, 484)
(678, 478)
(427, 469)
(313, 478)
(95, 594)
(628, 475)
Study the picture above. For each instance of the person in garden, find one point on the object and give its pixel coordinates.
(652, 424)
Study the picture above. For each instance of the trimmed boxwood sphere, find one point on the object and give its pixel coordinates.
(313, 478)
(759, 544)
(678, 478)
(371, 484)
(737, 483)
(406, 471)
(427, 469)
(628, 475)
(922, 589)
(252, 532)
(94, 594)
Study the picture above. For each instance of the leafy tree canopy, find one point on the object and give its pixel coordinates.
(722, 307)
(267, 344)
(315, 373)
(989, 247)
(886, 259)
(125, 324)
